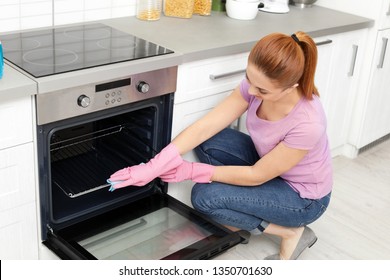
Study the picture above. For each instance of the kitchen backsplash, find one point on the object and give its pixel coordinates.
(26, 14)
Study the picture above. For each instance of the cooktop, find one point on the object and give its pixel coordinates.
(64, 49)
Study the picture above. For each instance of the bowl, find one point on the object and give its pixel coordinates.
(242, 9)
(303, 3)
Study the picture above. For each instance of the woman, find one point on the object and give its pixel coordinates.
(277, 179)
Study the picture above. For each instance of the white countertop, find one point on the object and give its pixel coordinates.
(14, 84)
(202, 37)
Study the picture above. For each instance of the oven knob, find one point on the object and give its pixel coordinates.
(143, 87)
(83, 101)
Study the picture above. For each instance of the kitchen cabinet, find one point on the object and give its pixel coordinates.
(384, 15)
(370, 114)
(375, 125)
(340, 58)
(377, 115)
(15, 122)
(18, 221)
(18, 233)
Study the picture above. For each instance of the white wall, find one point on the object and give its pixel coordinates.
(26, 14)
(352, 7)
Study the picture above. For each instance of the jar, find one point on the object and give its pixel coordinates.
(202, 7)
(218, 5)
(149, 9)
(179, 8)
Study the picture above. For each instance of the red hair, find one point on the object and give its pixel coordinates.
(287, 61)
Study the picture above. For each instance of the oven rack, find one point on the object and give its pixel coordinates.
(62, 144)
(82, 164)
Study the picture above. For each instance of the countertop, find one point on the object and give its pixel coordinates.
(200, 37)
(14, 84)
(204, 37)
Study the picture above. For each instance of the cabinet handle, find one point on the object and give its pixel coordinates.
(353, 62)
(325, 42)
(383, 53)
(224, 75)
(388, 11)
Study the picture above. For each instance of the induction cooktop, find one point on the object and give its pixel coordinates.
(63, 49)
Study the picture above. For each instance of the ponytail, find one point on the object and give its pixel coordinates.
(287, 60)
(306, 83)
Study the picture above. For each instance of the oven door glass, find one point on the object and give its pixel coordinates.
(156, 227)
(153, 236)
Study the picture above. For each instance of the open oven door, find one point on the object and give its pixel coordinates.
(155, 227)
(81, 219)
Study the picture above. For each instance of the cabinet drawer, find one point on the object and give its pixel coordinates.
(210, 76)
(16, 122)
(17, 176)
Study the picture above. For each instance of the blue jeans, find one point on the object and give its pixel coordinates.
(251, 207)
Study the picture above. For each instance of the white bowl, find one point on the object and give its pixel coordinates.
(242, 9)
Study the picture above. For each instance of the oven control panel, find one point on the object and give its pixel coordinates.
(90, 98)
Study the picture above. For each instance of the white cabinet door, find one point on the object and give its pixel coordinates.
(325, 48)
(18, 220)
(338, 69)
(348, 58)
(385, 15)
(15, 122)
(18, 233)
(17, 180)
(377, 114)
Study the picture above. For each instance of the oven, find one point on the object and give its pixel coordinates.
(87, 132)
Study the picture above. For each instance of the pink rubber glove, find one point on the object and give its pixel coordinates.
(139, 175)
(194, 171)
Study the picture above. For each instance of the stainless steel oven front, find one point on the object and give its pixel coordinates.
(87, 133)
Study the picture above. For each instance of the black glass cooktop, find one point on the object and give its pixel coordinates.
(59, 50)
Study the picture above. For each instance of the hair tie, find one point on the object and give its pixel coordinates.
(295, 38)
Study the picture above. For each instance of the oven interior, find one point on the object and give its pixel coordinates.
(97, 149)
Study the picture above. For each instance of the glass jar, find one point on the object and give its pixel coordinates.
(179, 8)
(202, 7)
(149, 9)
(218, 5)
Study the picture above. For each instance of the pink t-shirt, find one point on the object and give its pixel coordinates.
(303, 128)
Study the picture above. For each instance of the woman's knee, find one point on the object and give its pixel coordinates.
(228, 147)
(200, 198)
